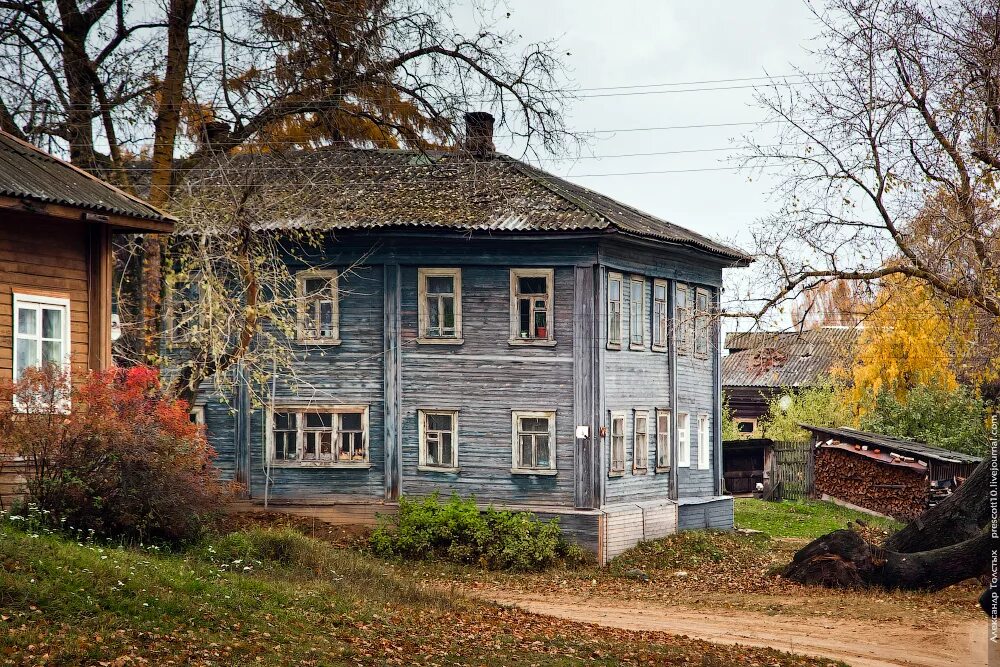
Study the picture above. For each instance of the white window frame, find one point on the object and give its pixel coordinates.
(516, 467)
(615, 336)
(422, 463)
(616, 464)
(38, 302)
(640, 464)
(515, 337)
(301, 335)
(636, 315)
(661, 320)
(423, 315)
(702, 323)
(683, 440)
(663, 454)
(198, 414)
(301, 410)
(704, 448)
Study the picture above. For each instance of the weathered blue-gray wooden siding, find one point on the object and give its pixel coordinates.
(708, 512)
(486, 378)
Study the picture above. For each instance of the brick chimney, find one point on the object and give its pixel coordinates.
(479, 133)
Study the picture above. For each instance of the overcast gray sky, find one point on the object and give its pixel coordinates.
(643, 42)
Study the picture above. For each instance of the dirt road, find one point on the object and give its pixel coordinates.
(860, 644)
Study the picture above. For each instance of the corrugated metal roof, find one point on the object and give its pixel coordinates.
(785, 359)
(361, 189)
(909, 447)
(29, 173)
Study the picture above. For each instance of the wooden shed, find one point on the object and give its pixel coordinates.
(891, 476)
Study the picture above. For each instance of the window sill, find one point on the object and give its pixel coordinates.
(449, 471)
(531, 342)
(659, 348)
(660, 469)
(529, 471)
(639, 471)
(353, 465)
(683, 465)
(616, 473)
(637, 346)
(318, 341)
(614, 346)
(421, 340)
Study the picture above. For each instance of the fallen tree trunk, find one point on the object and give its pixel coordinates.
(844, 559)
(958, 518)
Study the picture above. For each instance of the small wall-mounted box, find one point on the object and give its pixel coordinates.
(582, 432)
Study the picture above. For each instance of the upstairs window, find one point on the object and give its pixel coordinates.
(702, 323)
(617, 443)
(660, 315)
(531, 307)
(41, 332)
(438, 440)
(188, 308)
(683, 440)
(318, 310)
(662, 439)
(534, 442)
(615, 311)
(640, 442)
(637, 308)
(319, 436)
(682, 319)
(439, 305)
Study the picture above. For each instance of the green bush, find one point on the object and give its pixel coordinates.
(268, 548)
(457, 531)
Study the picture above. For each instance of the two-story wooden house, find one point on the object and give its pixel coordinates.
(476, 325)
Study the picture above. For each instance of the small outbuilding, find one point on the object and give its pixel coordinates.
(891, 476)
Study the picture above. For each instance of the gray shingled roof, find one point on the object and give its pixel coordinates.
(785, 359)
(365, 189)
(27, 172)
(911, 447)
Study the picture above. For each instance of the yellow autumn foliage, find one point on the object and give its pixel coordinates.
(909, 338)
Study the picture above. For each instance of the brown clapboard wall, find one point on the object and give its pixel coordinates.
(50, 257)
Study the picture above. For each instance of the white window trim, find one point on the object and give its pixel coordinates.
(550, 338)
(682, 319)
(515, 445)
(641, 345)
(663, 447)
(25, 299)
(683, 440)
(198, 412)
(616, 277)
(423, 317)
(703, 442)
(422, 452)
(636, 416)
(662, 345)
(612, 470)
(312, 407)
(300, 304)
(702, 323)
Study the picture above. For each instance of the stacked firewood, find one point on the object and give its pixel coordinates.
(899, 491)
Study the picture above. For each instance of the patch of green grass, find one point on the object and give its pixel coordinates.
(276, 597)
(802, 518)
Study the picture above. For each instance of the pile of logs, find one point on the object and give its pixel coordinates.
(899, 491)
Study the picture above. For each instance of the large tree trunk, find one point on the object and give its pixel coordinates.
(180, 13)
(960, 517)
(843, 559)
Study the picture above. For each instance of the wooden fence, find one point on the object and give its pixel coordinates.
(792, 471)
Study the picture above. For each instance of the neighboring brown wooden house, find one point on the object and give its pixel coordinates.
(56, 223)
(898, 478)
(761, 365)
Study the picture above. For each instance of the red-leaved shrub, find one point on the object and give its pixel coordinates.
(109, 453)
